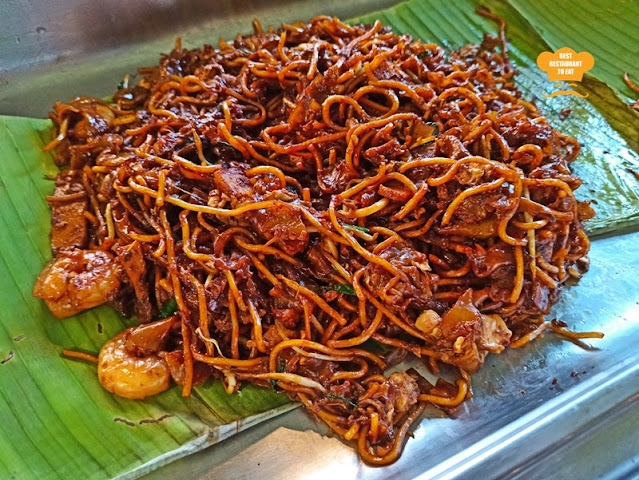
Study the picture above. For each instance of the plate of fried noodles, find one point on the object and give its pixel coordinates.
(303, 208)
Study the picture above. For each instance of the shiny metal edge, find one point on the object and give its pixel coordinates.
(543, 430)
(214, 436)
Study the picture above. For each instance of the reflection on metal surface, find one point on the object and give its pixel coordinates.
(52, 50)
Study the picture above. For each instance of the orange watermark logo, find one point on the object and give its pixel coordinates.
(565, 65)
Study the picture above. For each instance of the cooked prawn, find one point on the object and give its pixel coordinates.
(129, 375)
(77, 280)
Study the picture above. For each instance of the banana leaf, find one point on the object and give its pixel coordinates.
(607, 30)
(58, 422)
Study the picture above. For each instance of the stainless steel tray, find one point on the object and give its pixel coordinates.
(551, 410)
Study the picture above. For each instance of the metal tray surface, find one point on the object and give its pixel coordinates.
(520, 424)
